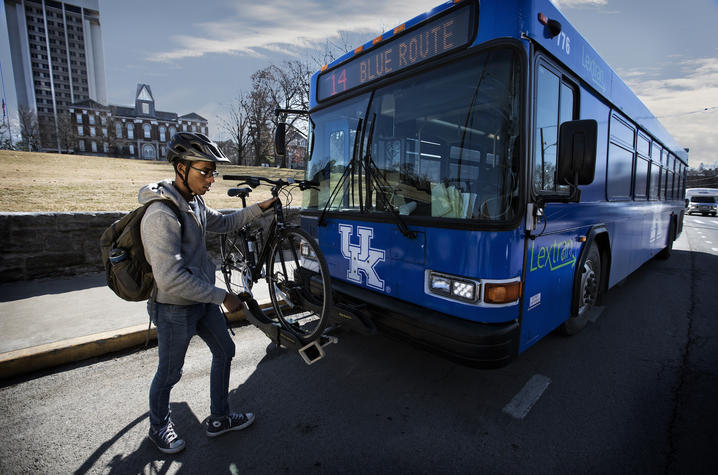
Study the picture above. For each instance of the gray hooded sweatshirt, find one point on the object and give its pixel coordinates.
(180, 264)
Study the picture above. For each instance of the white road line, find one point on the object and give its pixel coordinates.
(699, 221)
(522, 403)
(709, 242)
(715, 249)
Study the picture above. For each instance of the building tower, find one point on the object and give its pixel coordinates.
(57, 59)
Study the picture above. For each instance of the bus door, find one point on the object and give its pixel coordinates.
(552, 251)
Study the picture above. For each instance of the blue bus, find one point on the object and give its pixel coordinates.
(484, 178)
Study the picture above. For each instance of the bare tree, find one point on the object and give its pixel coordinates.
(229, 148)
(260, 112)
(114, 144)
(287, 87)
(236, 125)
(250, 121)
(29, 129)
(5, 137)
(333, 49)
(67, 133)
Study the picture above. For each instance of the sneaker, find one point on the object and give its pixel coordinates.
(233, 421)
(166, 439)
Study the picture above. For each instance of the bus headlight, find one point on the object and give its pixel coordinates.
(307, 251)
(453, 287)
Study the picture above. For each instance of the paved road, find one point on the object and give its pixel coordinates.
(635, 392)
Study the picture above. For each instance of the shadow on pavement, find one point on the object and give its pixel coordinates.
(329, 416)
(11, 291)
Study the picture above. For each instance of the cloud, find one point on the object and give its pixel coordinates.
(684, 97)
(297, 23)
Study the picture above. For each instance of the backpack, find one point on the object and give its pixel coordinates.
(128, 273)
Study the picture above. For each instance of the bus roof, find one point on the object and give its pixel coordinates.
(515, 18)
(701, 191)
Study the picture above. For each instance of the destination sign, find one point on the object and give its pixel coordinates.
(432, 39)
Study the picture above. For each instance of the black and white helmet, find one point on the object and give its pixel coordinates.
(194, 147)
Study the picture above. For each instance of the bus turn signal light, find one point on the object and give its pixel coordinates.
(500, 293)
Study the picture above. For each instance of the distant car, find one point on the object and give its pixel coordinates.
(703, 204)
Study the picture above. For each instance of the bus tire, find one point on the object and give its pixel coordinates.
(665, 253)
(588, 292)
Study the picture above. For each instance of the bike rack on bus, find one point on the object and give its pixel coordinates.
(310, 353)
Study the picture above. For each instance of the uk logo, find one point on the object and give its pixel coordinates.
(362, 257)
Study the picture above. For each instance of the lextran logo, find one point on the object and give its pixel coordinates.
(362, 257)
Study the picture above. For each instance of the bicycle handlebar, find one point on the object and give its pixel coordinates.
(254, 181)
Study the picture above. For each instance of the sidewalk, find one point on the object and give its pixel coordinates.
(50, 322)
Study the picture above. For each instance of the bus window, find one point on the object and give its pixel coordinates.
(643, 146)
(642, 167)
(332, 138)
(670, 184)
(555, 101)
(619, 172)
(622, 133)
(447, 154)
(654, 183)
(618, 179)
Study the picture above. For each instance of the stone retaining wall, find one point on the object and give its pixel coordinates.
(37, 245)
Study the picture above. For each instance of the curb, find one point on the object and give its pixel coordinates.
(27, 360)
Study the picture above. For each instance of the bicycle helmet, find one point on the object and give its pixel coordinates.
(194, 147)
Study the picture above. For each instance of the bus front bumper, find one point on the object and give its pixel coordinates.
(481, 345)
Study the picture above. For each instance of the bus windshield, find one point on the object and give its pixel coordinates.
(440, 144)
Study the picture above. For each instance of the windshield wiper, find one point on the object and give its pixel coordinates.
(377, 182)
(349, 169)
(374, 182)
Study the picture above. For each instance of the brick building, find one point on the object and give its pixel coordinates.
(135, 132)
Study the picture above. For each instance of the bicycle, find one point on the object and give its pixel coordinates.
(294, 267)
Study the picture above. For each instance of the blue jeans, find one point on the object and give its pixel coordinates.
(176, 324)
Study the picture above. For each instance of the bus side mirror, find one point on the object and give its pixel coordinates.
(279, 139)
(577, 152)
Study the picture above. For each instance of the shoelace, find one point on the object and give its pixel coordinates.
(168, 434)
(239, 418)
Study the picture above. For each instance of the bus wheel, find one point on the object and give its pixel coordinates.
(587, 295)
(665, 253)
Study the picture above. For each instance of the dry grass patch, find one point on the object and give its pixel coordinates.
(33, 182)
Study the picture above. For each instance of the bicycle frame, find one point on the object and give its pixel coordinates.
(275, 227)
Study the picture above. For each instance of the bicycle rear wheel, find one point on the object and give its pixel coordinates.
(299, 284)
(234, 266)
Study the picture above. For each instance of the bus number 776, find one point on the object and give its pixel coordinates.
(564, 42)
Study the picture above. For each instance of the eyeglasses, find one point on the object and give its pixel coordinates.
(205, 173)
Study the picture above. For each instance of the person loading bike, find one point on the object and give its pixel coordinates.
(187, 300)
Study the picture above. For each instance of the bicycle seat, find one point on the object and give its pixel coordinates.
(241, 192)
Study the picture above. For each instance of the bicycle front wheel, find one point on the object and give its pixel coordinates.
(299, 284)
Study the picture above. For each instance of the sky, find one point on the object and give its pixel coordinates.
(197, 56)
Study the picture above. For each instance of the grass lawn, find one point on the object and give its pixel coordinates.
(32, 181)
